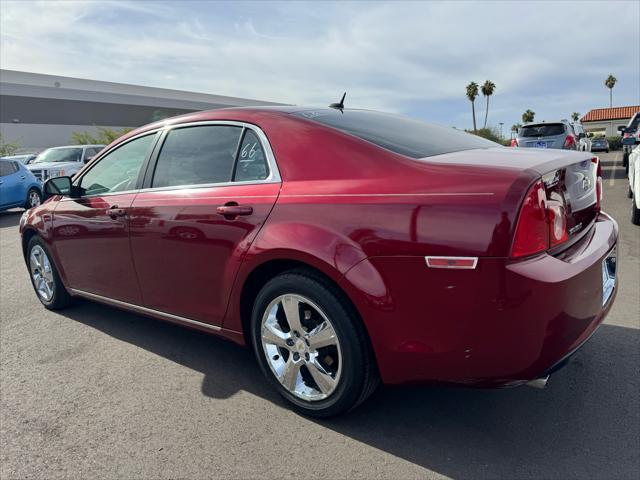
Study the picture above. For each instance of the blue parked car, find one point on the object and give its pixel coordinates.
(18, 186)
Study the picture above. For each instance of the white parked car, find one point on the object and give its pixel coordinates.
(62, 161)
(634, 184)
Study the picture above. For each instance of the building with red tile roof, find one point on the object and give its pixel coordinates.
(605, 121)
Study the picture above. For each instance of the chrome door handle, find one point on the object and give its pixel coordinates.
(234, 210)
(115, 212)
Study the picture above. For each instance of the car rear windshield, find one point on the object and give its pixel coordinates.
(402, 135)
(545, 130)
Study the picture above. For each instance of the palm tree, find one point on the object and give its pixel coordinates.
(472, 94)
(528, 116)
(514, 129)
(487, 90)
(575, 116)
(610, 82)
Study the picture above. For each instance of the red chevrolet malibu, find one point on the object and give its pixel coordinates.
(346, 247)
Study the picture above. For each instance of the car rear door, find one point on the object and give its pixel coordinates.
(209, 190)
(91, 232)
(12, 182)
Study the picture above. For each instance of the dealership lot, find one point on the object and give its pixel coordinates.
(93, 391)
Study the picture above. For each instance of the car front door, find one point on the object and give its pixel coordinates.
(91, 231)
(210, 189)
(11, 184)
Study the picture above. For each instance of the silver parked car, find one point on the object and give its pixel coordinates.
(584, 142)
(549, 135)
(62, 161)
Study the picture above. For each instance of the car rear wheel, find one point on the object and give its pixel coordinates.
(311, 345)
(635, 213)
(44, 276)
(33, 198)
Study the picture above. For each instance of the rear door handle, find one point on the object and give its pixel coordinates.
(234, 210)
(115, 212)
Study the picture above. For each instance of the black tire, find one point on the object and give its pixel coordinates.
(60, 298)
(359, 376)
(635, 213)
(607, 150)
(29, 203)
(625, 159)
(629, 192)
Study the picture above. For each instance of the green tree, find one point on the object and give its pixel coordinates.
(7, 148)
(472, 94)
(528, 116)
(487, 90)
(515, 127)
(610, 82)
(104, 136)
(575, 116)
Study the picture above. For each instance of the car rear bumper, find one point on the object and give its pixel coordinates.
(499, 324)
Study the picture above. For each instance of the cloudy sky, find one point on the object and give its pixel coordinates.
(414, 57)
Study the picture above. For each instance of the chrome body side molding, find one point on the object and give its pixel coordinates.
(144, 310)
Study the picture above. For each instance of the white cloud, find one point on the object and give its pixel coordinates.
(417, 57)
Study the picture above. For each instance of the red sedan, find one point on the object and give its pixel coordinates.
(346, 247)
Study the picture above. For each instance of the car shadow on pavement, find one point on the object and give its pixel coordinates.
(10, 218)
(584, 424)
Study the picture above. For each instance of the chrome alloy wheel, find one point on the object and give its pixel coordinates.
(301, 347)
(41, 273)
(34, 199)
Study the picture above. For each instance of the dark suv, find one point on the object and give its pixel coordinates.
(549, 135)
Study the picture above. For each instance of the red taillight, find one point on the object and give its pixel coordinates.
(596, 160)
(569, 142)
(532, 230)
(542, 224)
(514, 142)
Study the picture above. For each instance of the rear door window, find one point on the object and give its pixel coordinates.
(544, 130)
(197, 156)
(7, 168)
(252, 162)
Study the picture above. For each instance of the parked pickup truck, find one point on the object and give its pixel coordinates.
(62, 161)
(630, 138)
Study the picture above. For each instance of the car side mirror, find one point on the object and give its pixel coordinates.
(622, 128)
(581, 135)
(58, 186)
(590, 135)
(88, 159)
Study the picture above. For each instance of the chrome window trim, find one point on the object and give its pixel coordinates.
(274, 172)
(150, 311)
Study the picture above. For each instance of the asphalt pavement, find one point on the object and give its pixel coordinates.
(94, 392)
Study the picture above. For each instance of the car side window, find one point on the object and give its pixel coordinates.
(252, 162)
(90, 152)
(7, 168)
(118, 170)
(197, 156)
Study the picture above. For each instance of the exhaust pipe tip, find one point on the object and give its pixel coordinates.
(538, 382)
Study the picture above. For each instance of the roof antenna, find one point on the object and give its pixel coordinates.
(339, 105)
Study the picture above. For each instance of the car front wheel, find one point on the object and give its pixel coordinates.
(44, 276)
(311, 345)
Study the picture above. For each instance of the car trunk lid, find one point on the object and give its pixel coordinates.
(570, 178)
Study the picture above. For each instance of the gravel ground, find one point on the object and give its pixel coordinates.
(96, 392)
